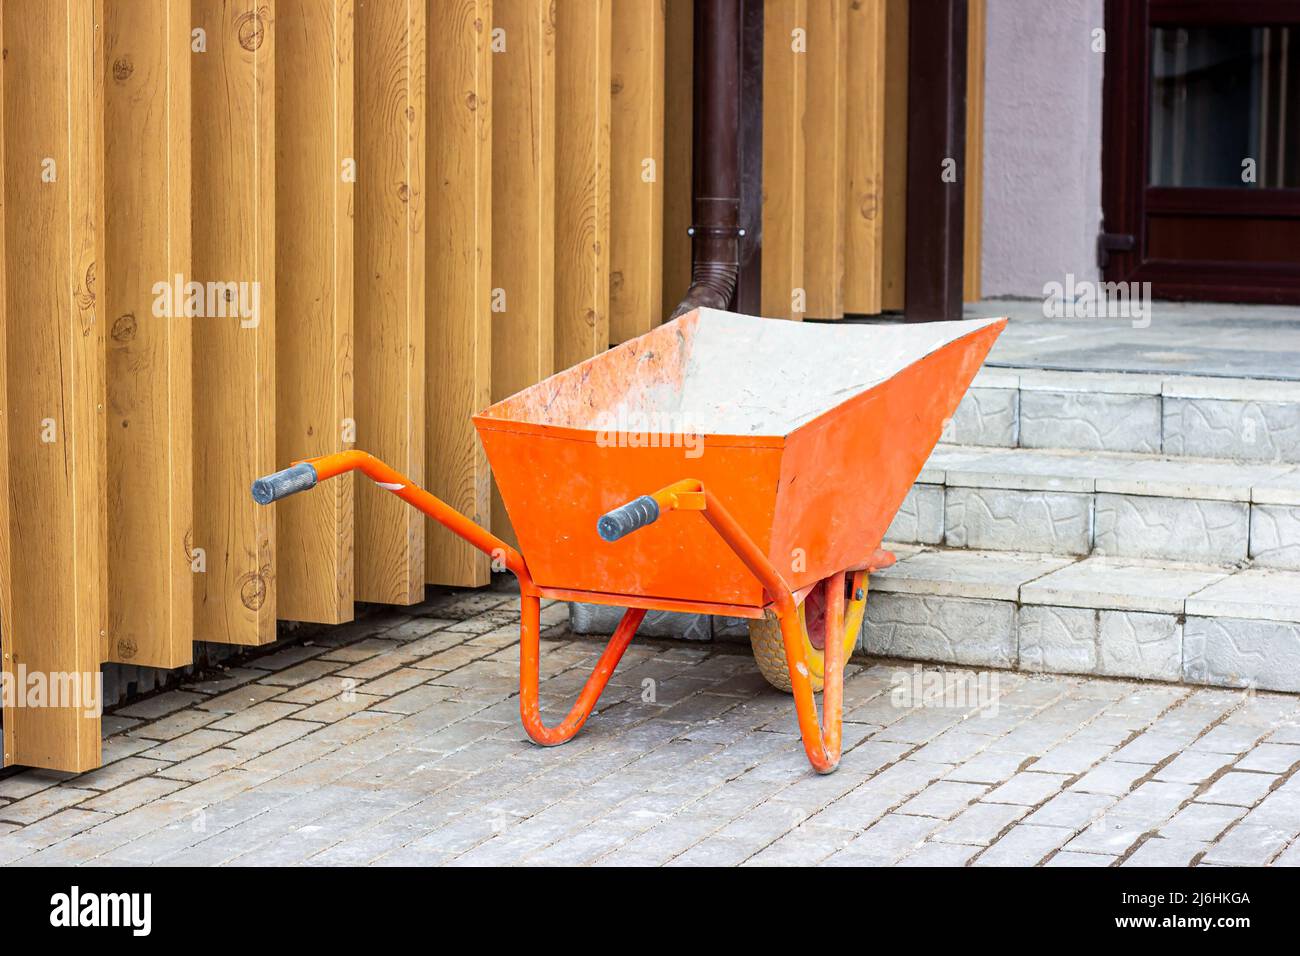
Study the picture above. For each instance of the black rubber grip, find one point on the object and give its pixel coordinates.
(282, 484)
(637, 513)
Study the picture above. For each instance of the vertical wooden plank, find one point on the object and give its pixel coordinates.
(523, 205)
(459, 249)
(974, 172)
(636, 159)
(234, 340)
(315, 172)
(894, 209)
(864, 157)
(147, 241)
(679, 73)
(389, 311)
(582, 64)
(785, 95)
(55, 616)
(825, 176)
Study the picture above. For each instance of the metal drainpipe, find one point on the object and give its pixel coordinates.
(717, 234)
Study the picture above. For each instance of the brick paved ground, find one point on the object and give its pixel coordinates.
(396, 741)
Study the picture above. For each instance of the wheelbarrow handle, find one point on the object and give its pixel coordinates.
(625, 519)
(282, 484)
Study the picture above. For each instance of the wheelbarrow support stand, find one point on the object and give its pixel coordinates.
(822, 747)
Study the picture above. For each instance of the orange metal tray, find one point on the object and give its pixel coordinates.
(816, 477)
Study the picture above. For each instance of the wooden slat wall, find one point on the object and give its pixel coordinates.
(636, 168)
(147, 240)
(55, 617)
(864, 157)
(679, 72)
(974, 218)
(582, 145)
(785, 96)
(389, 312)
(826, 176)
(458, 294)
(523, 205)
(234, 357)
(313, 347)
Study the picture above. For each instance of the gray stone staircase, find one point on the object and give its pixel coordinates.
(1127, 525)
(1117, 524)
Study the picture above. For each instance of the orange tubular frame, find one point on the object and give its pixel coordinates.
(822, 740)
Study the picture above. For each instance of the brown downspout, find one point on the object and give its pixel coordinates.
(718, 231)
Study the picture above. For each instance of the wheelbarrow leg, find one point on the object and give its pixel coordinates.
(821, 740)
(530, 666)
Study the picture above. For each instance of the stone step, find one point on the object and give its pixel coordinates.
(1121, 505)
(1234, 418)
(1189, 623)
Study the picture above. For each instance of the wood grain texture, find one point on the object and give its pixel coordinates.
(234, 355)
(636, 163)
(55, 614)
(459, 273)
(974, 172)
(523, 206)
(894, 226)
(150, 411)
(313, 347)
(785, 94)
(582, 147)
(389, 314)
(675, 171)
(825, 170)
(864, 157)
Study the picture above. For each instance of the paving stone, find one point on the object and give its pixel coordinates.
(1111, 776)
(998, 519)
(943, 799)
(1071, 757)
(1193, 766)
(1275, 536)
(1068, 858)
(160, 705)
(1201, 822)
(1057, 639)
(1239, 789)
(981, 823)
(1258, 594)
(1163, 852)
(1253, 430)
(1028, 789)
(1271, 758)
(938, 629)
(1248, 844)
(1024, 845)
(1072, 809)
(1091, 421)
(988, 575)
(1120, 584)
(919, 519)
(986, 416)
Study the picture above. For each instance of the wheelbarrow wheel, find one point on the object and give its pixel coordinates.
(769, 648)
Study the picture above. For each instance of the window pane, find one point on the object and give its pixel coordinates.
(1225, 107)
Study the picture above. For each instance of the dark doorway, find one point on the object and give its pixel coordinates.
(1201, 148)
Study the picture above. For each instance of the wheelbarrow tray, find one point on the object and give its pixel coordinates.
(811, 434)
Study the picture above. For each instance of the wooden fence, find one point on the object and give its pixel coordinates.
(395, 211)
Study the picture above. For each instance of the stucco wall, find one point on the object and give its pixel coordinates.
(1042, 144)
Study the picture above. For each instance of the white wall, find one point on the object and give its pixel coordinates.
(1042, 144)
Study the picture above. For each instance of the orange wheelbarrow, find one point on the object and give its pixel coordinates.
(801, 441)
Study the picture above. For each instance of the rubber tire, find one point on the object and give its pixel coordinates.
(769, 652)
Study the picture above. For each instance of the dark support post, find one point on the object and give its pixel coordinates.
(936, 159)
(749, 288)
